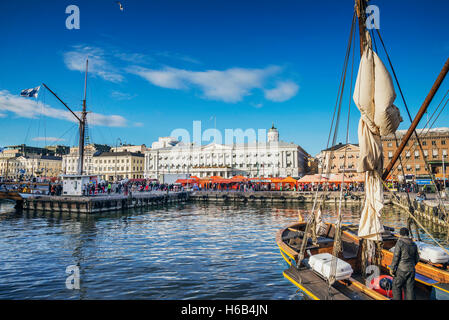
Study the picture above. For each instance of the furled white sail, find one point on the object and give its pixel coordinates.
(374, 95)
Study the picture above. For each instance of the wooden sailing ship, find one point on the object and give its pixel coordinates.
(339, 248)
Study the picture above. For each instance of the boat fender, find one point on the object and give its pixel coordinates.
(384, 285)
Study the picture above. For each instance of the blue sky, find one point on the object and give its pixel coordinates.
(162, 64)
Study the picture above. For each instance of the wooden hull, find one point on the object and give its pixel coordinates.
(11, 195)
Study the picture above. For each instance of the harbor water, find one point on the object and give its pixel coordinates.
(182, 251)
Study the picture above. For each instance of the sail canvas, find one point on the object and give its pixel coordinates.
(374, 96)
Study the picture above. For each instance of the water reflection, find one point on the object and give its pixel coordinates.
(191, 251)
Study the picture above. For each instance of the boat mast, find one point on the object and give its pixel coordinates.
(82, 120)
(83, 125)
(361, 15)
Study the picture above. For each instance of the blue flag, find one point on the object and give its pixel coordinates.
(30, 93)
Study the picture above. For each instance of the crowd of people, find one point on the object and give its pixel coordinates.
(254, 186)
(125, 188)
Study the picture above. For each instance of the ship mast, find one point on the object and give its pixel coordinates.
(361, 15)
(82, 120)
(83, 126)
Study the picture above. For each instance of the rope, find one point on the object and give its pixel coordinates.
(413, 148)
(337, 239)
(429, 169)
(311, 220)
(424, 135)
(416, 220)
(408, 195)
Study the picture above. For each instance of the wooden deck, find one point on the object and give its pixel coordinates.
(317, 289)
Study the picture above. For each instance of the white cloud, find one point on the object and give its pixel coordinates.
(229, 85)
(98, 64)
(168, 78)
(122, 95)
(106, 120)
(30, 108)
(47, 139)
(282, 92)
(133, 57)
(177, 56)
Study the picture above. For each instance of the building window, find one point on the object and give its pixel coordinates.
(443, 142)
(435, 152)
(434, 143)
(424, 143)
(390, 144)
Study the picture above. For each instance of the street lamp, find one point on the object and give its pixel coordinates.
(116, 141)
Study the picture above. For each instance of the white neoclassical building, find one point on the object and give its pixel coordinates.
(273, 158)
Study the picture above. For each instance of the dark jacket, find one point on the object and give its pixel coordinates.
(405, 255)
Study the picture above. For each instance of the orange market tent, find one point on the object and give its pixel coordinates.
(186, 181)
(277, 183)
(289, 180)
(202, 182)
(337, 178)
(239, 179)
(222, 180)
(313, 178)
(260, 180)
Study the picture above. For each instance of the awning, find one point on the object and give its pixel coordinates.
(186, 181)
(315, 178)
(289, 180)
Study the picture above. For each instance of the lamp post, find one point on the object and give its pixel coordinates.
(116, 141)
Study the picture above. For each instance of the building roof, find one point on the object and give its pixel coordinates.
(421, 132)
(339, 146)
(224, 146)
(42, 157)
(51, 158)
(119, 154)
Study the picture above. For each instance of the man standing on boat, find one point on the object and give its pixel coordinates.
(403, 266)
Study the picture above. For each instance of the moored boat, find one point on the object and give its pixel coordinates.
(432, 280)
